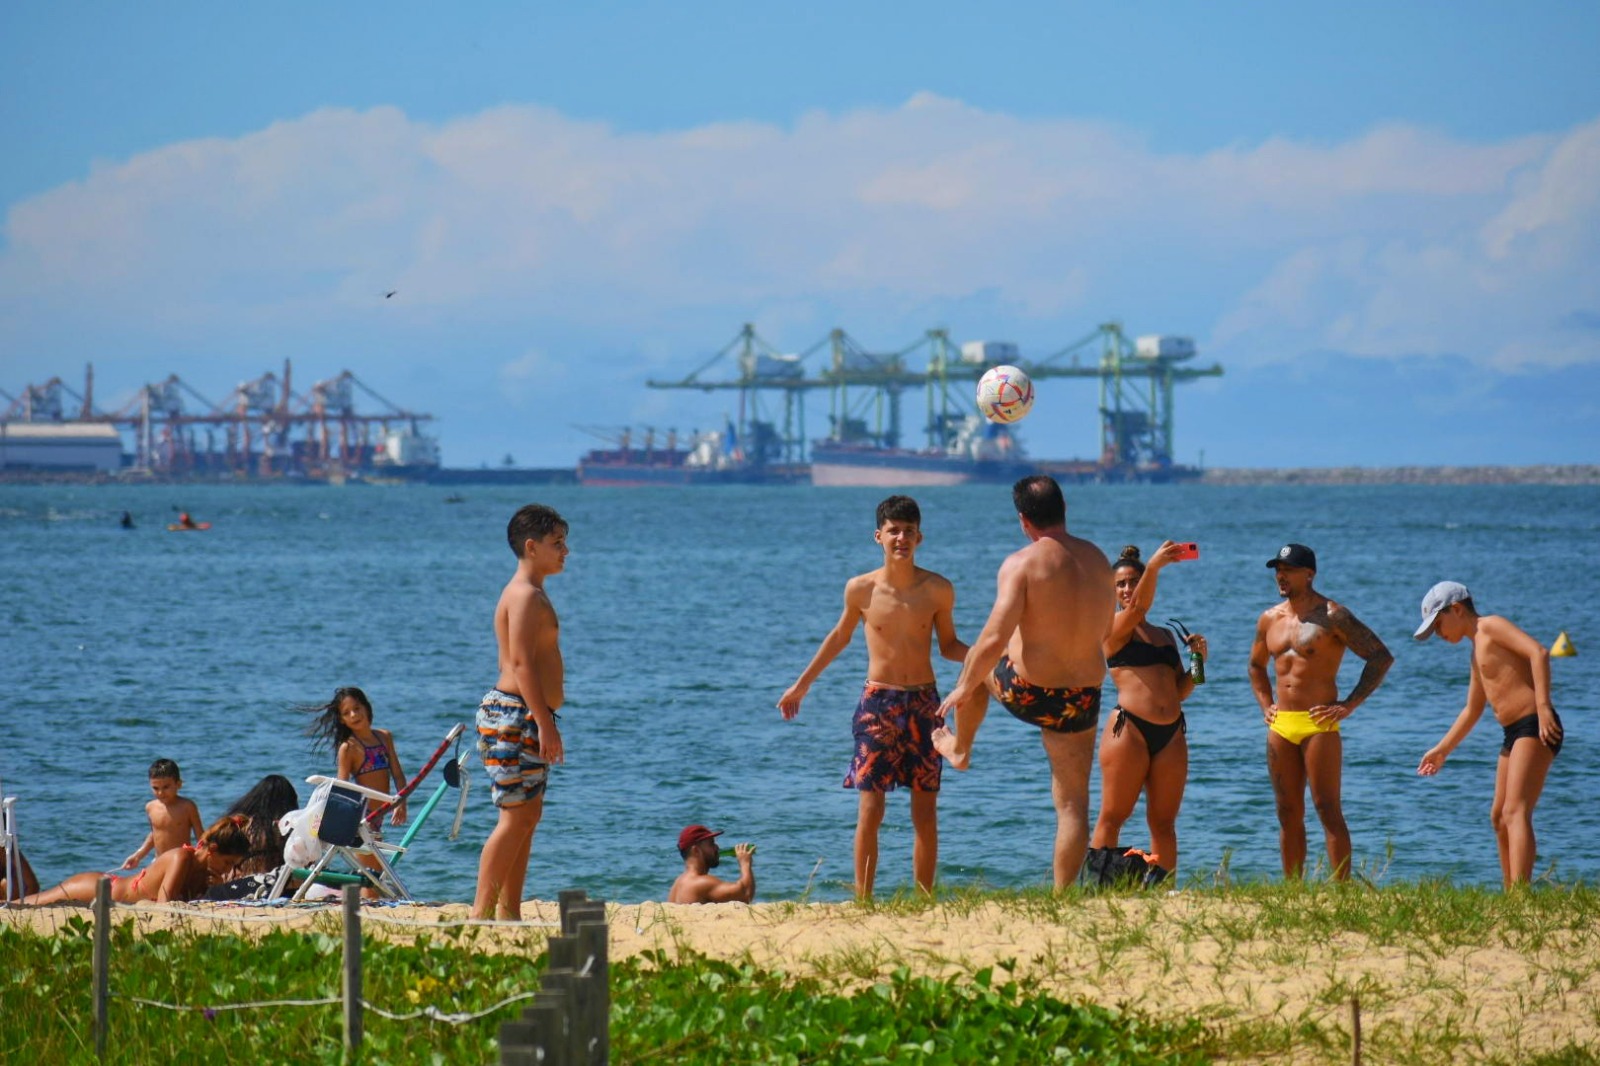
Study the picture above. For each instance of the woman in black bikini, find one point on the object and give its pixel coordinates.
(1143, 747)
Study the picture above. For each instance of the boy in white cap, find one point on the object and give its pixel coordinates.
(1511, 671)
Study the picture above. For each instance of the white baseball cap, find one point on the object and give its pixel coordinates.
(1438, 598)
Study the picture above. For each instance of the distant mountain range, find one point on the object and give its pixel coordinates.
(1575, 474)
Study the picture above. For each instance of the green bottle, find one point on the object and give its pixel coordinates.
(1197, 666)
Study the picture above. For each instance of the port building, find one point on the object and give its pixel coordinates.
(60, 447)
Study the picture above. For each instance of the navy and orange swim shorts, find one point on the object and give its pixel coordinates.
(893, 729)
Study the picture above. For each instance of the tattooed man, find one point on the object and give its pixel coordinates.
(1305, 637)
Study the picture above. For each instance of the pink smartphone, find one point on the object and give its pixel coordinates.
(1191, 550)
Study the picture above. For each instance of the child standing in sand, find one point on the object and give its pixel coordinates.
(174, 819)
(904, 607)
(517, 735)
(1511, 671)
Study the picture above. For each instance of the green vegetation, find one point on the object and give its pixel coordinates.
(703, 1010)
(664, 1010)
(1228, 973)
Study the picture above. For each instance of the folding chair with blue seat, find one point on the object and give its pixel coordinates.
(345, 836)
(344, 828)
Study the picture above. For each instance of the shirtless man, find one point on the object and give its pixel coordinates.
(1511, 672)
(698, 846)
(1040, 655)
(905, 608)
(1306, 636)
(517, 736)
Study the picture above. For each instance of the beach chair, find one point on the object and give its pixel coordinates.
(331, 829)
(344, 836)
(8, 843)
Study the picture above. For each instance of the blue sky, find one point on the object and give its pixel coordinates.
(1382, 219)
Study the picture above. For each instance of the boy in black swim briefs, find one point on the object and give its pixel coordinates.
(1510, 671)
(905, 608)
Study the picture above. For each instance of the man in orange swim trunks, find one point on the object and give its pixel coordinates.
(1305, 636)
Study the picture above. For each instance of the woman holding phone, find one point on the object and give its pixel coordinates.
(1143, 747)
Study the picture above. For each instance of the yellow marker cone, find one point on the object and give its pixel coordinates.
(1562, 648)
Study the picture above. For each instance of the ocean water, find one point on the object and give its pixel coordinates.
(685, 613)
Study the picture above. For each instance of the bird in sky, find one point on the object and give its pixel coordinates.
(390, 293)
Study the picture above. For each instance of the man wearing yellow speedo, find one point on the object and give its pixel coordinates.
(1305, 636)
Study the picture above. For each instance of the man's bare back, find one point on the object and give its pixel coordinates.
(1052, 610)
(1067, 602)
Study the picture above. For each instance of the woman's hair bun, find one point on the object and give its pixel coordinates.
(1129, 554)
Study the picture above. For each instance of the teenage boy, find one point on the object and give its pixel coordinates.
(517, 736)
(904, 608)
(1510, 670)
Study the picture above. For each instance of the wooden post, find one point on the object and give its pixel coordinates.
(569, 898)
(563, 952)
(352, 967)
(568, 1023)
(519, 1044)
(102, 964)
(564, 983)
(591, 911)
(594, 957)
(550, 1015)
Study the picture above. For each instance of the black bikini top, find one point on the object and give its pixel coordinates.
(1142, 653)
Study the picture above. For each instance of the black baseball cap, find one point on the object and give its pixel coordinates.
(1294, 555)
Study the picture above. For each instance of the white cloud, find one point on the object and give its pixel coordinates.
(1400, 241)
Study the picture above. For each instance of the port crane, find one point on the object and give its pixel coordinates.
(266, 428)
(867, 390)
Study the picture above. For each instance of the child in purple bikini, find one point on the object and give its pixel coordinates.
(905, 608)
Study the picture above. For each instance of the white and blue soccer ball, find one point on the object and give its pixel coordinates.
(1005, 394)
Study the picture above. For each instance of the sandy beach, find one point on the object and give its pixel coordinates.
(1229, 961)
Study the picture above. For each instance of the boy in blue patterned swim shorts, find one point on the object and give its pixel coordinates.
(904, 607)
(517, 735)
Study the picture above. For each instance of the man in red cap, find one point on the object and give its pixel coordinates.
(1305, 637)
(698, 846)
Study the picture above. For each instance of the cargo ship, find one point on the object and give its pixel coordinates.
(711, 458)
(974, 451)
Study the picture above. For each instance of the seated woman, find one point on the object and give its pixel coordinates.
(26, 882)
(180, 874)
(267, 801)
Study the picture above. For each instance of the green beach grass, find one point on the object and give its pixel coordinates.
(1228, 973)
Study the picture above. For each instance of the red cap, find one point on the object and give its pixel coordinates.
(693, 835)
